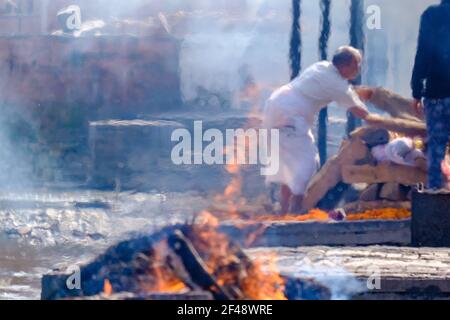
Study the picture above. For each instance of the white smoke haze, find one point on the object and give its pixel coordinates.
(214, 52)
(400, 27)
(228, 45)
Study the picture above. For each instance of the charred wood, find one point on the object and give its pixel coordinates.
(195, 265)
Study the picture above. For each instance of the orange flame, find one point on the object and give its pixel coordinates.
(232, 194)
(264, 285)
(107, 288)
(255, 281)
(313, 215)
(381, 214)
(221, 259)
(162, 279)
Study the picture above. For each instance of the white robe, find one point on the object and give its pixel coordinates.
(292, 109)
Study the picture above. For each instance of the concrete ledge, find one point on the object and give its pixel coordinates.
(295, 234)
(404, 272)
(136, 154)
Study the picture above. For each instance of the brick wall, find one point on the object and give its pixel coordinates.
(21, 17)
(118, 75)
(28, 17)
(103, 10)
(52, 86)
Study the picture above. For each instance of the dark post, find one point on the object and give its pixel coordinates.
(295, 53)
(357, 41)
(325, 7)
(430, 219)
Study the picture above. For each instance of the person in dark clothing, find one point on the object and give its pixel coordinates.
(431, 82)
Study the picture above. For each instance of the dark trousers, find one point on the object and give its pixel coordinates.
(438, 126)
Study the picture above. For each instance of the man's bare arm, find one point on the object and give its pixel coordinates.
(359, 112)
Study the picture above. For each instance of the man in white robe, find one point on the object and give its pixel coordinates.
(293, 108)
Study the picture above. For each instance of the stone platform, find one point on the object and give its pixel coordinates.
(136, 154)
(295, 234)
(404, 273)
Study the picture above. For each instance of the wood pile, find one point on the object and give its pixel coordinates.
(181, 262)
(355, 165)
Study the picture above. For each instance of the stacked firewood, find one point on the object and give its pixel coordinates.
(387, 185)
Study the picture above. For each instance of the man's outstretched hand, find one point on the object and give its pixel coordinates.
(364, 93)
(359, 112)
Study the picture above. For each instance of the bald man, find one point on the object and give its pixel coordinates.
(293, 108)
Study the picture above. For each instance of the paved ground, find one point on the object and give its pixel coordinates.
(423, 272)
(394, 262)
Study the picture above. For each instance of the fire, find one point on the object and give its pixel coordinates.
(257, 281)
(234, 188)
(213, 245)
(107, 288)
(253, 236)
(264, 285)
(232, 194)
(207, 219)
(224, 261)
(313, 215)
(253, 93)
(381, 214)
(321, 216)
(162, 279)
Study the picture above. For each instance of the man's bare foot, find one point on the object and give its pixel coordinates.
(285, 199)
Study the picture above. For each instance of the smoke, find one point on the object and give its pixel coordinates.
(222, 49)
(258, 38)
(342, 287)
(328, 271)
(227, 45)
(394, 46)
(15, 161)
(220, 38)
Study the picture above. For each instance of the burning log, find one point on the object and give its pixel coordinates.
(176, 261)
(195, 266)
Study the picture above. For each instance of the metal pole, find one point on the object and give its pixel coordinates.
(356, 40)
(295, 54)
(325, 7)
